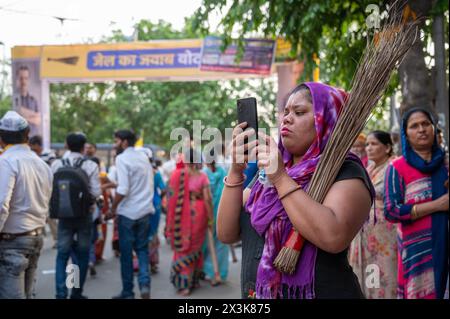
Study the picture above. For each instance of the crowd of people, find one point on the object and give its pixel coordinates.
(380, 233)
(76, 197)
(406, 235)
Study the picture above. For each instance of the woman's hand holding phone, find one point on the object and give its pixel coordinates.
(241, 151)
(269, 158)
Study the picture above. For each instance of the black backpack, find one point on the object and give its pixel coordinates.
(70, 196)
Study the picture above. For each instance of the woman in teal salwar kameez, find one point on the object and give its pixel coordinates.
(216, 175)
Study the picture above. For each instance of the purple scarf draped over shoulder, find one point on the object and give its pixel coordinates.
(268, 216)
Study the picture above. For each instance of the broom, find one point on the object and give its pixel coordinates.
(382, 55)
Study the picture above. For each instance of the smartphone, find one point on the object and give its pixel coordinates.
(246, 111)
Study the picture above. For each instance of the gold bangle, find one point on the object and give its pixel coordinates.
(235, 184)
(414, 212)
(296, 188)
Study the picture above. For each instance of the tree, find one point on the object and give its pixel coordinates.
(5, 105)
(336, 31)
(79, 107)
(5, 97)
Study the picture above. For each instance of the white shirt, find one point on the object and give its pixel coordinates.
(135, 182)
(167, 169)
(66, 154)
(112, 174)
(90, 167)
(25, 190)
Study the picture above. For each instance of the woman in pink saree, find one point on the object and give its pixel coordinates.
(188, 216)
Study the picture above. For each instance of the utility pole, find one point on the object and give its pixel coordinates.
(3, 71)
(441, 78)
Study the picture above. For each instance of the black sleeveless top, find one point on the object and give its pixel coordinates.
(334, 277)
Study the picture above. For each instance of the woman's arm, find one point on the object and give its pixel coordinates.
(438, 205)
(228, 229)
(396, 211)
(331, 226)
(232, 199)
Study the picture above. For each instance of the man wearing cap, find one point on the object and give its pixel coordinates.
(25, 190)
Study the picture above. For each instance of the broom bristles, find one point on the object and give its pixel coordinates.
(368, 85)
(286, 260)
(374, 70)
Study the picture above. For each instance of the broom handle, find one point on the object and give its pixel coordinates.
(212, 251)
(295, 240)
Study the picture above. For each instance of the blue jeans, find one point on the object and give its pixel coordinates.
(94, 239)
(18, 263)
(67, 229)
(133, 235)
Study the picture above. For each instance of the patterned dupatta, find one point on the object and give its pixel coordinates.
(178, 226)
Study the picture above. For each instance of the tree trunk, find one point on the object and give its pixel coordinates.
(415, 78)
(441, 86)
(288, 75)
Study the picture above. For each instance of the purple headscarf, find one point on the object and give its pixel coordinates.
(268, 216)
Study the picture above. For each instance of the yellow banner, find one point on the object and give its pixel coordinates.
(162, 60)
(26, 52)
(122, 60)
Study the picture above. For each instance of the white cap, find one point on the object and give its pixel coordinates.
(148, 152)
(13, 122)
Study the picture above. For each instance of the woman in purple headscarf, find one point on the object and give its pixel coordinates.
(272, 212)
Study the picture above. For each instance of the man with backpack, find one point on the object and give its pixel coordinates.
(134, 204)
(76, 186)
(25, 189)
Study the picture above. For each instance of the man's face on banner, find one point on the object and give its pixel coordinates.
(24, 77)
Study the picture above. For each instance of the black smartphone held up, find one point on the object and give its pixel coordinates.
(246, 111)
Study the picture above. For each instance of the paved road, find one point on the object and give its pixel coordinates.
(107, 281)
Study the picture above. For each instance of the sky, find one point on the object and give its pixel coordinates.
(32, 22)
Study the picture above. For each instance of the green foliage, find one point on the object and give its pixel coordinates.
(5, 97)
(155, 108)
(335, 30)
(5, 105)
(78, 107)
